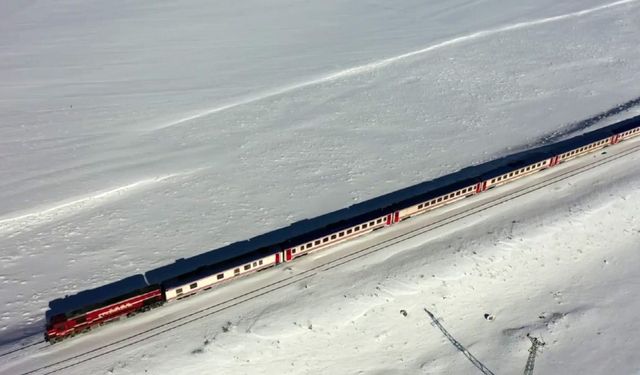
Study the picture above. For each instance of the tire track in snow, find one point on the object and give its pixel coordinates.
(71, 207)
(391, 60)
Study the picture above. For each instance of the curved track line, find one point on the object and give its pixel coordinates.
(60, 210)
(388, 61)
(306, 274)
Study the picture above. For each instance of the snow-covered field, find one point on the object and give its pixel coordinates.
(133, 133)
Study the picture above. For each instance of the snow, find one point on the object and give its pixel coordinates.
(134, 133)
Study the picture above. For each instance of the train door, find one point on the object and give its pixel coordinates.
(554, 161)
(389, 219)
(614, 139)
(287, 255)
(277, 258)
(393, 218)
(481, 186)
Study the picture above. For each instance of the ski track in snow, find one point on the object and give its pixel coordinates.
(391, 60)
(69, 208)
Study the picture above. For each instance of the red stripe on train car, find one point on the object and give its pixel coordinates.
(614, 139)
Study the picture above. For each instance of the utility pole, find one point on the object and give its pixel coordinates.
(535, 344)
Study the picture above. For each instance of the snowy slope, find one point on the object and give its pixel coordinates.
(134, 133)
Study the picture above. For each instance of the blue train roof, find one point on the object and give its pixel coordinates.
(305, 230)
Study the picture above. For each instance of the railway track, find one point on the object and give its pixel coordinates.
(148, 334)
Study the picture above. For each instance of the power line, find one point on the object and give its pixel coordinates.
(460, 347)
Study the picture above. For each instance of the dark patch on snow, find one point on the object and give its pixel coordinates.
(575, 128)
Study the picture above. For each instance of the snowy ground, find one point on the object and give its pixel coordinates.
(135, 133)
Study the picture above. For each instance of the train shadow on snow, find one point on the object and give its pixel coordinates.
(267, 240)
(18, 333)
(578, 127)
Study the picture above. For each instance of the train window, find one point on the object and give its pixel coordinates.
(236, 271)
(419, 206)
(317, 242)
(247, 266)
(493, 180)
(341, 234)
(349, 231)
(193, 286)
(379, 221)
(439, 200)
(326, 239)
(255, 264)
(81, 319)
(309, 245)
(511, 174)
(294, 251)
(371, 223)
(333, 237)
(220, 276)
(357, 228)
(260, 262)
(179, 291)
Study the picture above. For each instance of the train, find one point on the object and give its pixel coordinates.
(77, 314)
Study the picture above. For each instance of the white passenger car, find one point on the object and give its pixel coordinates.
(204, 280)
